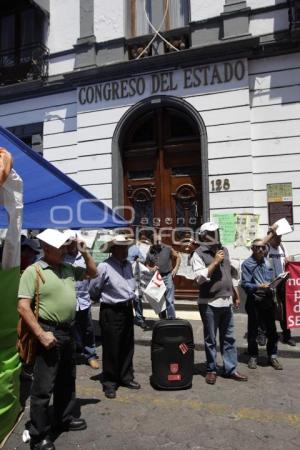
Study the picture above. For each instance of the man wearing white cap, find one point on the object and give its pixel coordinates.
(54, 369)
(115, 287)
(211, 265)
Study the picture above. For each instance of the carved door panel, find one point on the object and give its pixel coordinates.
(162, 178)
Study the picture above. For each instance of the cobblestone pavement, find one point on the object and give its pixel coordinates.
(263, 413)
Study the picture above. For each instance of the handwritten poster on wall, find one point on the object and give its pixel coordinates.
(227, 226)
(246, 229)
(237, 229)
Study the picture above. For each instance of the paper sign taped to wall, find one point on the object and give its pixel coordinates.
(246, 229)
(227, 227)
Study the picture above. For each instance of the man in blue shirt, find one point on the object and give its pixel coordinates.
(84, 328)
(257, 275)
(115, 287)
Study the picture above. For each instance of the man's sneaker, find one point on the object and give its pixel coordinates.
(275, 364)
(252, 363)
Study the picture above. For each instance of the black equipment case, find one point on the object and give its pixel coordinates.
(172, 355)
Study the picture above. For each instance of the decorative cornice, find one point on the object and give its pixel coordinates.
(241, 47)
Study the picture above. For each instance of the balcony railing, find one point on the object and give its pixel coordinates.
(29, 62)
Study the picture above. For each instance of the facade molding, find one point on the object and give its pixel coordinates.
(234, 5)
(245, 46)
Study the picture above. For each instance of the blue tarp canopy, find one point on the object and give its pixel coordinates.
(52, 199)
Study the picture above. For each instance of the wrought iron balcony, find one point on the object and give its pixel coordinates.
(29, 62)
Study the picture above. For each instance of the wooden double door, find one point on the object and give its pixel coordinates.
(162, 178)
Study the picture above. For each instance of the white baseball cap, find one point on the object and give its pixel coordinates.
(209, 226)
(55, 238)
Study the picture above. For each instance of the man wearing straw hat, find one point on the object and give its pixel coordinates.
(115, 287)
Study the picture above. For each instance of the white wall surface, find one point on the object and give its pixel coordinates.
(226, 114)
(41, 109)
(262, 3)
(58, 114)
(62, 64)
(109, 19)
(253, 136)
(64, 25)
(269, 22)
(275, 132)
(205, 9)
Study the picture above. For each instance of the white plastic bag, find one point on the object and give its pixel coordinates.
(154, 293)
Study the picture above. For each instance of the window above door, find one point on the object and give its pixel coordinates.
(144, 17)
(163, 14)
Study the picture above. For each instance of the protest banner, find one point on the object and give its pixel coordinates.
(292, 295)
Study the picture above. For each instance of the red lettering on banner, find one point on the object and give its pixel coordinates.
(292, 295)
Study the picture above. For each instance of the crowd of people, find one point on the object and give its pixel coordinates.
(70, 281)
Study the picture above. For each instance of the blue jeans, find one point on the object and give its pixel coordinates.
(84, 333)
(138, 308)
(169, 294)
(222, 319)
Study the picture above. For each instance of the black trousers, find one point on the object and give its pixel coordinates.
(256, 315)
(54, 373)
(116, 323)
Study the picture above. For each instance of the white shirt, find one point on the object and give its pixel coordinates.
(276, 256)
(201, 276)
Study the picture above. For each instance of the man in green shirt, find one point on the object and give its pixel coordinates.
(54, 369)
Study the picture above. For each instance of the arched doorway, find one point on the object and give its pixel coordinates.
(162, 163)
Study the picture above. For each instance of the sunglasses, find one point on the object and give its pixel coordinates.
(259, 247)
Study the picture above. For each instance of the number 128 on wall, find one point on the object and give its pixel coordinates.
(219, 184)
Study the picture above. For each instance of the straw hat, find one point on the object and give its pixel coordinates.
(117, 239)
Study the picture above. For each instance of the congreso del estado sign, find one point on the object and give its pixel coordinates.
(180, 81)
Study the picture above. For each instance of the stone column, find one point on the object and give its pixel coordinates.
(234, 5)
(235, 19)
(85, 47)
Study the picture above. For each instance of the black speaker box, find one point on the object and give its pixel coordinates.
(172, 355)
